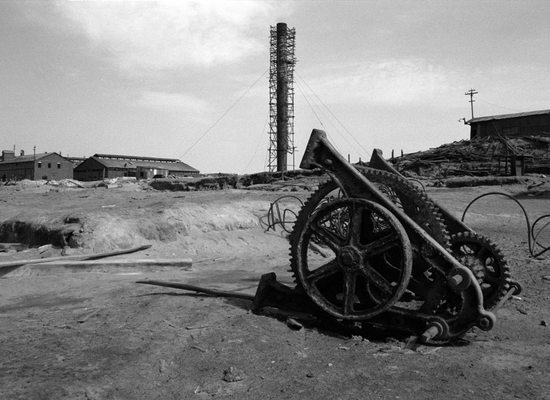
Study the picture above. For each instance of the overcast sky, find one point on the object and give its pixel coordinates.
(152, 78)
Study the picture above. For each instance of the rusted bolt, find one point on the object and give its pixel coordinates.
(456, 280)
(485, 323)
(517, 288)
(430, 333)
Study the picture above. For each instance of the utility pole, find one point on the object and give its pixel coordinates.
(471, 93)
(34, 163)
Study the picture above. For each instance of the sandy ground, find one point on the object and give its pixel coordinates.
(96, 334)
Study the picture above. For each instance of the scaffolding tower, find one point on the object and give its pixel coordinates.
(281, 97)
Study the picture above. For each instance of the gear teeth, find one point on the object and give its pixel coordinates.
(414, 201)
(503, 272)
(417, 204)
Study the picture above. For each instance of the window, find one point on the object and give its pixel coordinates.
(39, 164)
(58, 165)
(49, 165)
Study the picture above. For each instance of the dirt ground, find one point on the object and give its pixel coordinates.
(93, 333)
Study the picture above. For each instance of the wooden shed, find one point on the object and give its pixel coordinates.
(533, 123)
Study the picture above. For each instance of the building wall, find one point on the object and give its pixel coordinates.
(90, 170)
(182, 173)
(50, 167)
(119, 172)
(93, 170)
(53, 167)
(17, 171)
(512, 127)
(148, 173)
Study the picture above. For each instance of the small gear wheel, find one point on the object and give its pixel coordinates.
(486, 262)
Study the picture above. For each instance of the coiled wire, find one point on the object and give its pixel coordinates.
(285, 218)
(275, 217)
(536, 249)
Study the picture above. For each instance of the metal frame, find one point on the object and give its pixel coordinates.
(459, 279)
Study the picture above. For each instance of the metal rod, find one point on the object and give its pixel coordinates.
(504, 300)
(199, 289)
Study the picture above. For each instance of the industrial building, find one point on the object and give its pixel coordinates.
(102, 166)
(531, 123)
(48, 166)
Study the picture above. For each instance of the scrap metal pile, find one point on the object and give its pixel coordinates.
(371, 248)
(478, 157)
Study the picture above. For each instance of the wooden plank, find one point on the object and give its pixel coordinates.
(19, 263)
(167, 262)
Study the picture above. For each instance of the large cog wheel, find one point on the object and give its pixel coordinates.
(486, 262)
(370, 264)
(404, 194)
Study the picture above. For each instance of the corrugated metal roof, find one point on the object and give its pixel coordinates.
(132, 162)
(135, 158)
(506, 116)
(27, 158)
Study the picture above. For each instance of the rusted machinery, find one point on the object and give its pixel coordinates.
(369, 247)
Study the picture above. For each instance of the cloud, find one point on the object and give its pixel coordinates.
(170, 102)
(384, 82)
(165, 35)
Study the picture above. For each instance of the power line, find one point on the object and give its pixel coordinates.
(496, 105)
(312, 106)
(224, 114)
(326, 118)
(256, 149)
(333, 115)
(309, 104)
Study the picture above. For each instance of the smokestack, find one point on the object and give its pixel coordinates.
(282, 97)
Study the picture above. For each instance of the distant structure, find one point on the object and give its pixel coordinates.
(281, 97)
(48, 166)
(76, 160)
(531, 123)
(102, 166)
